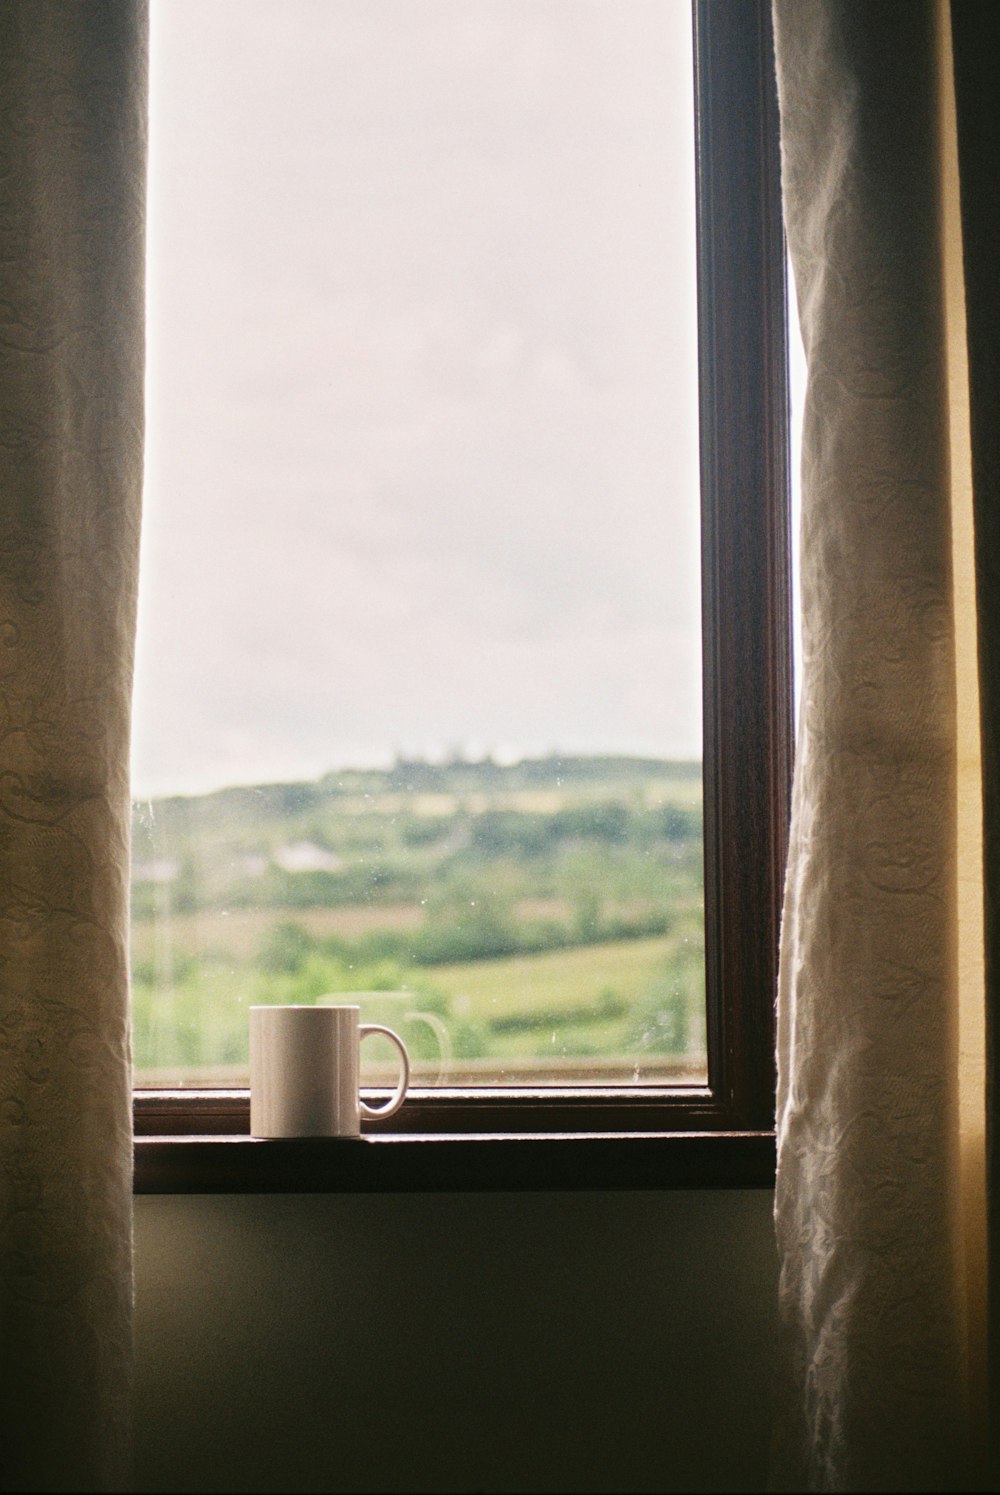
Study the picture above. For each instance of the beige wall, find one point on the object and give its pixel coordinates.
(563, 1342)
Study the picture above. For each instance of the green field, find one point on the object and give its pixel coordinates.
(509, 921)
(643, 978)
(560, 979)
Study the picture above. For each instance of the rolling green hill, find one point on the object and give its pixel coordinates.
(512, 899)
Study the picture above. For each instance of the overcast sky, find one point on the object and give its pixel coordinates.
(422, 445)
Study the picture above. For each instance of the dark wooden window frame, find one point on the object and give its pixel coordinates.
(603, 1137)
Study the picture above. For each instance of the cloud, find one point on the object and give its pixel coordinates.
(422, 454)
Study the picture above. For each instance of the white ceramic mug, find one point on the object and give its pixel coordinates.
(305, 1068)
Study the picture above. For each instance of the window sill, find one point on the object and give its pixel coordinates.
(196, 1145)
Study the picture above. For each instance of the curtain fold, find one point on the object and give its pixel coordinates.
(72, 187)
(879, 1006)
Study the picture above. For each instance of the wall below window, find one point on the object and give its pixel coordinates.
(569, 1342)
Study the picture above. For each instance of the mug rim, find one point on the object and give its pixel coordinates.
(304, 1007)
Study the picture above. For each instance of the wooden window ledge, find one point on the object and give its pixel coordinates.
(457, 1162)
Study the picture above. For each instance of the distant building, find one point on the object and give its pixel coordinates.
(156, 869)
(306, 856)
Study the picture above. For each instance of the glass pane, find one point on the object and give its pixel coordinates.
(418, 707)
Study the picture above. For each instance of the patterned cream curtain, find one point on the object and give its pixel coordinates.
(72, 185)
(880, 1189)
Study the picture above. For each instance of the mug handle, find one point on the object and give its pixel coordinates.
(394, 1102)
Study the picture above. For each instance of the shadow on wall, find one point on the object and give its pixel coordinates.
(585, 1342)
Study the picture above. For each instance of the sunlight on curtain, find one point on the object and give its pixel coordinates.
(971, 976)
(880, 1005)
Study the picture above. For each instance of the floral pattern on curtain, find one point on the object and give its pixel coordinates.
(869, 1206)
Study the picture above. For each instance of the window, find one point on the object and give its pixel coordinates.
(746, 738)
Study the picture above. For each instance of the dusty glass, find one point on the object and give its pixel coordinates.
(419, 666)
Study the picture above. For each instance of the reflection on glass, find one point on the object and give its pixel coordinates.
(418, 680)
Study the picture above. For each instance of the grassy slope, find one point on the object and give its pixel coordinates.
(198, 969)
(554, 979)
